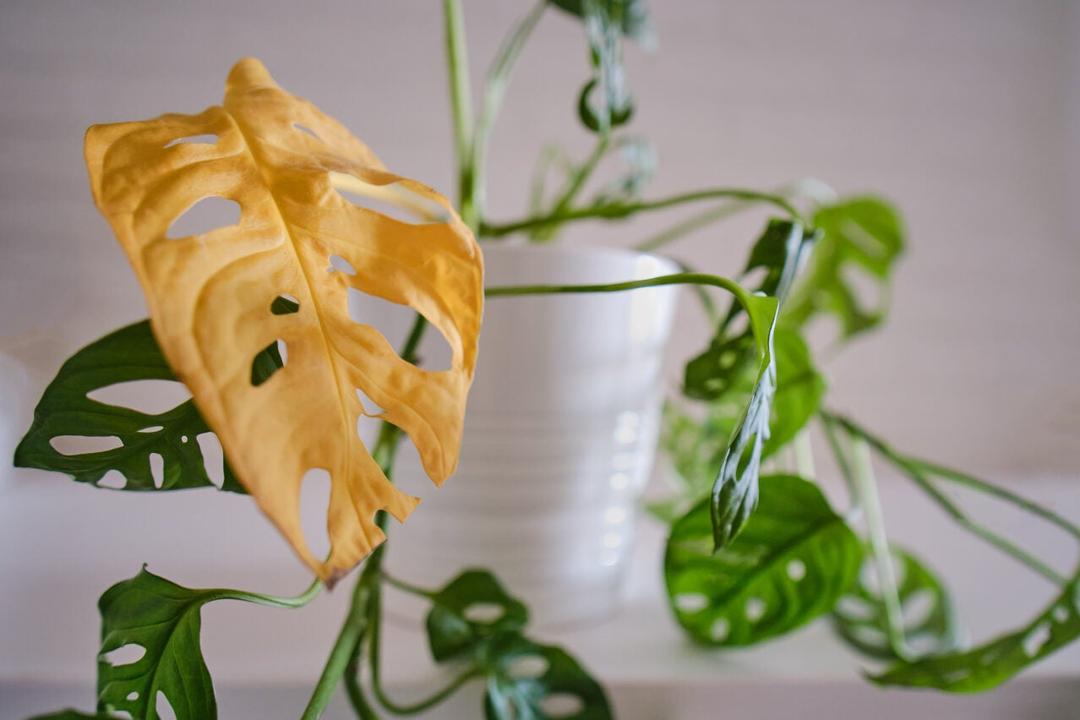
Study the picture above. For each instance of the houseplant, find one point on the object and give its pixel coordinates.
(824, 290)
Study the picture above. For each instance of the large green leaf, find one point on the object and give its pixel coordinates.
(126, 355)
(516, 691)
(930, 622)
(792, 562)
(861, 240)
(163, 619)
(471, 609)
(992, 663)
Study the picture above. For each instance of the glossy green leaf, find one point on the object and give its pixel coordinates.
(990, 664)
(469, 610)
(862, 238)
(126, 355)
(530, 681)
(930, 622)
(163, 620)
(791, 563)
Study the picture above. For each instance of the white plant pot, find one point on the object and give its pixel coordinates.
(560, 436)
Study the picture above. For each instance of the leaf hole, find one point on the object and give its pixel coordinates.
(113, 480)
(340, 264)
(306, 130)
(84, 444)
(152, 429)
(151, 397)
(268, 361)
(184, 439)
(125, 655)
(1060, 614)
(484, 613)
(206, 215)
(796, 570)
(561, 705)
(285, 304)
(1034, 640)
(527, 667)
(132, 696)
(719, 630)
(395, 200)
(315, 491)
(854, 608)
(213, 457)
(164, 707)
(691, 602)
(193, 140)
(394, 321)
(870, 635)
(157, 469)
(755, 609)
(916, 608)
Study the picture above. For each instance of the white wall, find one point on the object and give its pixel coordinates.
(963, 112)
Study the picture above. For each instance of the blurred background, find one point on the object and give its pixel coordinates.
(964, 113)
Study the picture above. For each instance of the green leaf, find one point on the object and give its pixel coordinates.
(72, 714)
(799, 391)
(930, 622)
(791, 563)
(470, 609)
(163, 619)
(779, 252)
(992, 663)
(555, 686)
(633, 16)
(126, 355)
(735, 491)
(862, 237)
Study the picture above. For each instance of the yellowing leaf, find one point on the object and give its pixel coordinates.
(220, 298)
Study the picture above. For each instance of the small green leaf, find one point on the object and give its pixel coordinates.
(127, 355)
(162, 619)
(530, 681)
(779, 252)
(930, 623)
(470, 609)
(863, 236)
(633, 16)
(790, 564)
(989, 665)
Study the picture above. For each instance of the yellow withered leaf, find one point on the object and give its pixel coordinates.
(297, 240)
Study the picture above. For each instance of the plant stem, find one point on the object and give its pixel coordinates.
(866, 487)
(494, 89)
(457, 63)
(913, 470)
(343, 654)
(271, 600)
(676, 279)
(407, 587)
(618, 211)
(376, 675)
(580, 176)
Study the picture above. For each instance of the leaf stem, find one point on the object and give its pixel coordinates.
(297, 601)
(580, 176)
(377, 689)
(494, 90)
(866, 486)
(457, 63)
(689, 278)
(914, 471)
(407, 587)
(620, 210)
